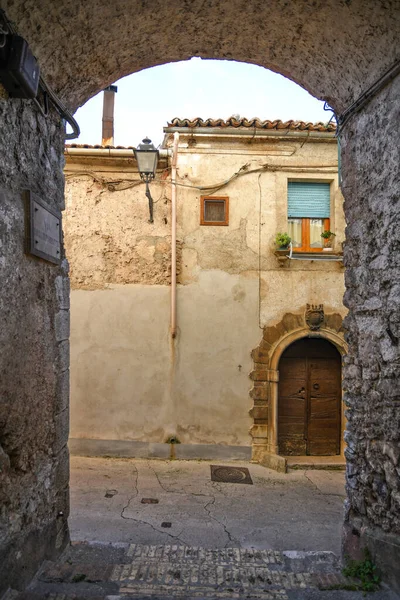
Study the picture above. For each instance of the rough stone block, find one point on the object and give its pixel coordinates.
(259, 412)
(61, 473)
(291, 321)
(62, 325)
(334, 321)
(63, 356)
(61, 430)
(62, 292)
(4, 461)
(259, 393)
(259, 375)
(62, 504)
(273, 334)
(275, 462)
(260, 356)
(259, 433)
(62, 392)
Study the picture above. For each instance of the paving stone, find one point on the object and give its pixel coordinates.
(151, 572)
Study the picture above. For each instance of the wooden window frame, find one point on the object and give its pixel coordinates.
(305, 235)
(203, 200)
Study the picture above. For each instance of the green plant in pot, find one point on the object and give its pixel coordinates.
(282, 241)
(328, 236)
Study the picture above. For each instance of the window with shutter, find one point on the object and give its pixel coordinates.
(308, 214)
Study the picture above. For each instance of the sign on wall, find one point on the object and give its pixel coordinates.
(43, 230)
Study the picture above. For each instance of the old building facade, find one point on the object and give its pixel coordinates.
(343, 52)
(135, 385)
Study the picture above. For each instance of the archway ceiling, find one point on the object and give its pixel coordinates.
(333, 48)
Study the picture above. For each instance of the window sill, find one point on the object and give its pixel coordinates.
(330, 256)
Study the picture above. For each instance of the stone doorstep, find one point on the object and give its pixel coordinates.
(335, 463)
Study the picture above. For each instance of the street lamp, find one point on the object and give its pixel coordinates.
(147, 158)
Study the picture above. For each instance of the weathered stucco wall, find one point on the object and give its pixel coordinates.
(130, 381)
(108, 233)
(349, 45)
(371, 375)
(34, 354)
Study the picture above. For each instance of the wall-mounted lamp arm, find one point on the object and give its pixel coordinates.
(147, 179)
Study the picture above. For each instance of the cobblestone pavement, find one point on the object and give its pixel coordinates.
(121, 571)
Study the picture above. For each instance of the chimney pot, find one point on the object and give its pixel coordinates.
(108, 115)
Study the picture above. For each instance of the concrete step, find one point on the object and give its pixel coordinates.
(97, 571)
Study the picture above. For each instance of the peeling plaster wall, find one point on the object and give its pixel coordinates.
(108, 233)
(34, 357)
(129, 380)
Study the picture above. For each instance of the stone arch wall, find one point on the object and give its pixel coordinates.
(336, 49)
(84, 46)
(265, 377)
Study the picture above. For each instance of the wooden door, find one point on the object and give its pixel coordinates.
(309, 399)
(323, 418)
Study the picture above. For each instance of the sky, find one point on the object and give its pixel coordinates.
(147, 100)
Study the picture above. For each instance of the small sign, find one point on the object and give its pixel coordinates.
(44, 230)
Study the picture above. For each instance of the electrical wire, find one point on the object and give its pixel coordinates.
(115, 185)
(46, 89)
(61, 109)
(262, 169)
(125, 184)
(362, 100)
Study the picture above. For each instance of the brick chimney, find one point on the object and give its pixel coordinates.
(107, 138)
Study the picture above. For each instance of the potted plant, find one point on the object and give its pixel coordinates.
(282, 242)
(328, 236)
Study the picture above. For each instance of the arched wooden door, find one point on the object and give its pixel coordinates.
(309, 401)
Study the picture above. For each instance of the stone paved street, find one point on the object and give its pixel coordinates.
(122, 571)
(163, 530)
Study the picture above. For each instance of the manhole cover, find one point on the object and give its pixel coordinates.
(230, 474)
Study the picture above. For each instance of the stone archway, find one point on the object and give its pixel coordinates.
(266, 356)
(343, 52)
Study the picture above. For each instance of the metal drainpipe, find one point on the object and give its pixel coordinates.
(173, 234)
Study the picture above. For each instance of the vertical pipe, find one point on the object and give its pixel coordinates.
(173, 234)
(107, 135)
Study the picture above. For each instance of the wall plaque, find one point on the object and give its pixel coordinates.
(44, 230)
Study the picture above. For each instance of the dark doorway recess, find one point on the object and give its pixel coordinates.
(309, 402)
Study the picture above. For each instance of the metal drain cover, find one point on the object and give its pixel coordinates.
(230, 474)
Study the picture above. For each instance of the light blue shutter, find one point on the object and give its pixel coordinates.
(308, 200)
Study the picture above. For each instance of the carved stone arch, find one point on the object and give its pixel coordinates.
(265, 377)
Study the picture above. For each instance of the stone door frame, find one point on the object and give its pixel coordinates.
(265, 376)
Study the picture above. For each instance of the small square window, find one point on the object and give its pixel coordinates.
(214, 210)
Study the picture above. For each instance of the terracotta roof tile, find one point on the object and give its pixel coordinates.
(99, 147)
(253, 123)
